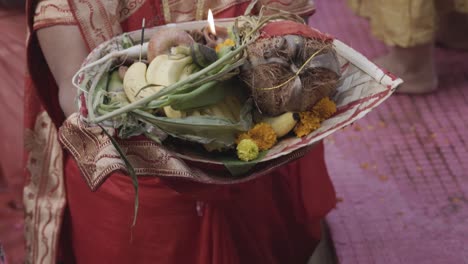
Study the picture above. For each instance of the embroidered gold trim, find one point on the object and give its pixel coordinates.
(97, 158)
(44, 192)
(200, 10)
(128, 8)
(98, 20)
(167, 11)
(52, 12)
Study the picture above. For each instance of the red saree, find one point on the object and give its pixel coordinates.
(272, 219)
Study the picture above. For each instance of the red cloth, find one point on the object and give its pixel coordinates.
(274, 219)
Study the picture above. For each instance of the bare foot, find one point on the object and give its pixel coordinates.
(414, 65)
(452, 31)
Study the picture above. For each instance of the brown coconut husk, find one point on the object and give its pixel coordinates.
(270, 74)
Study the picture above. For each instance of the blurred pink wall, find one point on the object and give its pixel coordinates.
(12, 68)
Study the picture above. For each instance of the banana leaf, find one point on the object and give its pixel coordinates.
(208, 94)
(238, 167)
(203, 129)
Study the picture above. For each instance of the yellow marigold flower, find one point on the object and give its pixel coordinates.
(227, 43)
(325, 108)
(263, 135)
(307, 124)
(247, 150)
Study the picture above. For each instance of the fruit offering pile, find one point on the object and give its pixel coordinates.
(238, 89)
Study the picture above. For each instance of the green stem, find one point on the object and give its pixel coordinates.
(130, 170)
(170, 88)
(220, 76)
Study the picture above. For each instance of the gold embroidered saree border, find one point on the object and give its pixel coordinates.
(44, 192)
(52, 12)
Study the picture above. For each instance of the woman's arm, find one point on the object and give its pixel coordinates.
(64, 49)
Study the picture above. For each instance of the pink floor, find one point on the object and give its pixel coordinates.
(399, 172)
(402, 171)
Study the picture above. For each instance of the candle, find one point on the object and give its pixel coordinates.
(211, 23)
(214, 34)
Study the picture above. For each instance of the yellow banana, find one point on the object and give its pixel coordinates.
(171, 113)
(283, 123)
(135, 80)
(188, 69)
(166, 70)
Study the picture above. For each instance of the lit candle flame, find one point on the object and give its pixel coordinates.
(211, 22)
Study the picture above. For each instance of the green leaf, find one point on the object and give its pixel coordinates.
(203, 129)
(207, 94)
(100, 90)
(127, 41)
(232, 58)
(238, 167)
(130, 170)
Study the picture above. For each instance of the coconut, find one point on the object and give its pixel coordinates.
(291, 71)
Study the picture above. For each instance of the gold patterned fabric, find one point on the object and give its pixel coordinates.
(97, 158)
(44, 192)
(53, 12)
(405, 23)
(60, 12)
(179, 10)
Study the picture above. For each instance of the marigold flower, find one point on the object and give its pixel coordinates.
(308, 122)
(325, 108)
(247, 150)
(227, 43)
(262, 134)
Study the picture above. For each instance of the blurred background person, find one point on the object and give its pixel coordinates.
(411, 29)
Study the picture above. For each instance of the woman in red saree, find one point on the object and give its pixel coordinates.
(79, 204)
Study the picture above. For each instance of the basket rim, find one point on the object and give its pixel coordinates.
(380, 75)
